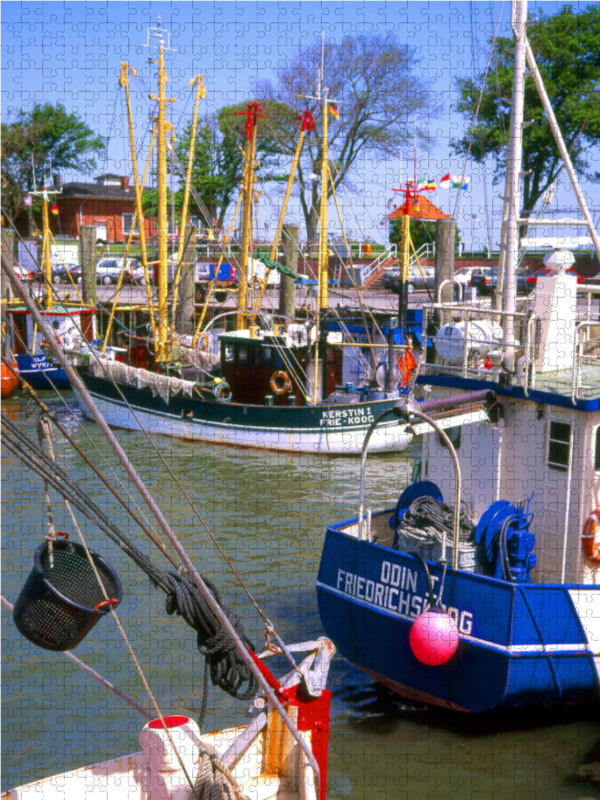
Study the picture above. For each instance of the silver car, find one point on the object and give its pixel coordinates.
(108, 271)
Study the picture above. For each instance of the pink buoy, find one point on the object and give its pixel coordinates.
(434, 637)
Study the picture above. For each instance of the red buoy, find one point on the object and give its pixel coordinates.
(434, 637)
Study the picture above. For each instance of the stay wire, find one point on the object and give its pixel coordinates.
(177, 482)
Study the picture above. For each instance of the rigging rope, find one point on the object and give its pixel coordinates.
(222, 661)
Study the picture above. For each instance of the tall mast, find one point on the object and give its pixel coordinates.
(514, 184)
(46, 261)
(162, 216)
(252, 116)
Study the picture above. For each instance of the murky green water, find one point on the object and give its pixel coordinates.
(269, 513)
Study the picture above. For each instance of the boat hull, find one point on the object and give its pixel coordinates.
(334, 430)
(519, 644)
(40, 374)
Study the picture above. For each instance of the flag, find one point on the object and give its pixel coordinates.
(333, 109)
(28, 200)
(54, 208)
(445, 181)
(460, 182)
(426, 185)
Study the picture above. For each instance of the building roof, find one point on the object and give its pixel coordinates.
(419, 208)
(96, 190)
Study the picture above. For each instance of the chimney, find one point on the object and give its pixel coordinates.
(125, 183)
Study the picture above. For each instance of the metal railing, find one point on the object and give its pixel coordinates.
(593, 359)
(471, 363)
(369, 269)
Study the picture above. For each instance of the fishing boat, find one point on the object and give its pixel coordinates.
(282, 384)
(480, 589)
(73, 323)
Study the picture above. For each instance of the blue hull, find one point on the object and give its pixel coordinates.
(40, 374)
(520, 644)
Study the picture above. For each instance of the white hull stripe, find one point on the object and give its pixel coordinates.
(576, 647)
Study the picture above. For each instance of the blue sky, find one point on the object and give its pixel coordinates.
(70, 52)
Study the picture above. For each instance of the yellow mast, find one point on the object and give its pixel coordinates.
(251, 127)
(139, 216)
(307, 126)
(200, 94)
(49, 302)
(323, 299)
(162, 350)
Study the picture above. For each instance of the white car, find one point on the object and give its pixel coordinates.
(108, 271)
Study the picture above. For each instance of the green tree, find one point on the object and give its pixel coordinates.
(218, 165)
(48, 139)
(566, 47)
(380, 94)
(421, 232)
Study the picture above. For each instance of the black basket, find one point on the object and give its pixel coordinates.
(58, 606)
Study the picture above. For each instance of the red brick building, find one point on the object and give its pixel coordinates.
(108, 203)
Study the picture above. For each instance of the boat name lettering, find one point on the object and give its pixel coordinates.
(336, 417)
(396, 592)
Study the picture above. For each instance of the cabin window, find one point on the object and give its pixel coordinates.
(597, 451)
(559, 446)
(267, 357)
(228, 352)
(242, 356)
(455, 436)
(128, 223)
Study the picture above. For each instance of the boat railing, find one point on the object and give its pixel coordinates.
(472, 364)
(582, 341)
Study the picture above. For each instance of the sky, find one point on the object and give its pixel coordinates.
(71, 52)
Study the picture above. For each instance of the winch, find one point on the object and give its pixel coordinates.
(505, 540)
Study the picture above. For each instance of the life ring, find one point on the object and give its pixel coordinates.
(280, 383)
(591, 536)
(203, 345)
(221, 392)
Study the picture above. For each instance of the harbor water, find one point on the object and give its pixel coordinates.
(269, 512)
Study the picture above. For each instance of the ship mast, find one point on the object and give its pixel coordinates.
(252, 116)
(46, 261)
(519, 20)
(163, 353)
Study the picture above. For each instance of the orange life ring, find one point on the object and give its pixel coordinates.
(280, 383)
(591, 536)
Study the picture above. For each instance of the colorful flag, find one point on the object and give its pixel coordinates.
(28, 200)
(445, 181)
(430, 186)
(425, 184)
(54, 208)
(460, 182)
(333, 109)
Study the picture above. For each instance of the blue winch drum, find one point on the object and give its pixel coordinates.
(60, 604)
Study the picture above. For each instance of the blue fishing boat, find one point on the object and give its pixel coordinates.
(480, 588)
(74, 325)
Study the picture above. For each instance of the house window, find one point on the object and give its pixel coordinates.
(195, 221)
(559, 446)
(128, 222)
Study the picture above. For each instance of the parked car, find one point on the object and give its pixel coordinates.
(485, 281)
(108, 271)
(543, 271)
(60, 272)
(23, 274)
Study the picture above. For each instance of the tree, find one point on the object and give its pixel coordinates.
(421, 232)
(381, 95)
(218, 166)
(566, 47)
(49, 139)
